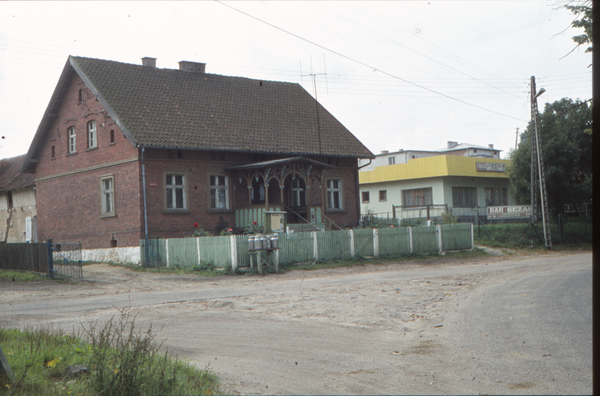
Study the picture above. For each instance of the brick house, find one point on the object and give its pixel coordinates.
(126, 150)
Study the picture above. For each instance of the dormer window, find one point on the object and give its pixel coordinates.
(92, 137)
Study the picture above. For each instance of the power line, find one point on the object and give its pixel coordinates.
(371, 67)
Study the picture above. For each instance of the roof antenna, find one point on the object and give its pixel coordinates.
(314, 75)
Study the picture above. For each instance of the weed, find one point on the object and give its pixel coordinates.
(119, 360)
(21, 276)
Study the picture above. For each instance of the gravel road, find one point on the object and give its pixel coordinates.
(375, 329)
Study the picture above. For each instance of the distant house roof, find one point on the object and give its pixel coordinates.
(168, 108)
(11, 177)
(463, 146)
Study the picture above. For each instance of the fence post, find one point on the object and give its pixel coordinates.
(439, 238)
(233, 245)
(375, 242)
(198, 249)
(50, 258)
(472, 238)
(167, 251)
(410, 240)
(315, 246)
(351, 242)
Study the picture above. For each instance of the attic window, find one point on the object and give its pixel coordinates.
(71, 147)
(52, 152)
(112, 136)
(92, 137)
(80, 95)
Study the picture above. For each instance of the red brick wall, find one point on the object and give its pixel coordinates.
(68, 185)
(198, 166)
(67, 198)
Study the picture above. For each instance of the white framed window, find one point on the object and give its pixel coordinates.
(71, 140)
(334, 194)
(298, 195)
(391, 160)
(219, 198)
(92, 136)
(107, 195)
(175, 194)
(382, 195)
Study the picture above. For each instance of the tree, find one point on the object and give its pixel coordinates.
(564, 128)
(583, 12)
(583, 19)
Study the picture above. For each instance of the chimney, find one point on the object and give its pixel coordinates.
(452, 144)
(149, 62)
(195, 67)
(384, 151)
(491, 146)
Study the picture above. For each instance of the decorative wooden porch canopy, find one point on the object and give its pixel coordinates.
(306, 169)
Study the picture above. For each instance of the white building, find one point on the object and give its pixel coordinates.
(461, 178)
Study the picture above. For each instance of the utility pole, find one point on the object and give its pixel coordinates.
(537, 168)
(516, 138)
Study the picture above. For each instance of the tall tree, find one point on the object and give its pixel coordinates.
(565, 131)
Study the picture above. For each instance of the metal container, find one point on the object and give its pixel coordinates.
(266, 243)
(251, 246)
(274, 241)
(258, 242)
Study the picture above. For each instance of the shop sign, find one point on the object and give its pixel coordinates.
(508, 212)
(490, 167)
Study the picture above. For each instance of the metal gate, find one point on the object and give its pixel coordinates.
(64, 259)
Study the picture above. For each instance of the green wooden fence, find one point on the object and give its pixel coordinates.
(232, 251)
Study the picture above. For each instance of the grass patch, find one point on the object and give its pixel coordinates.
(383, 260)
(118, 360)
(21, 276)
(198, 269)
(575, 234)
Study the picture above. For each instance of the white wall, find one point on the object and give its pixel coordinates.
(394, 193)
(441, 191)
(123, 255)
(23, 207)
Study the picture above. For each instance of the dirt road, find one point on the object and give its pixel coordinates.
(374, 329)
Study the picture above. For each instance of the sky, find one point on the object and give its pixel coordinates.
(397, 74)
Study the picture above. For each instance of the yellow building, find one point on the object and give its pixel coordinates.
(431, 185)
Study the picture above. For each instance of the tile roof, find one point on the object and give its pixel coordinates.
(11, 177)
(190, 110)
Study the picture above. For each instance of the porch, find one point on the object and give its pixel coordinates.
(295, 185)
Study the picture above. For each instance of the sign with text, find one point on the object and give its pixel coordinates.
(508, 212)
(490, 167)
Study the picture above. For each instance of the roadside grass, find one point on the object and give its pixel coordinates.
(384, 260)
(117, 358)
(207, 270)
(21, 276)
(575, 235)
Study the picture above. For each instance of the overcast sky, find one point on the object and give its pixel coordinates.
(399, 75)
